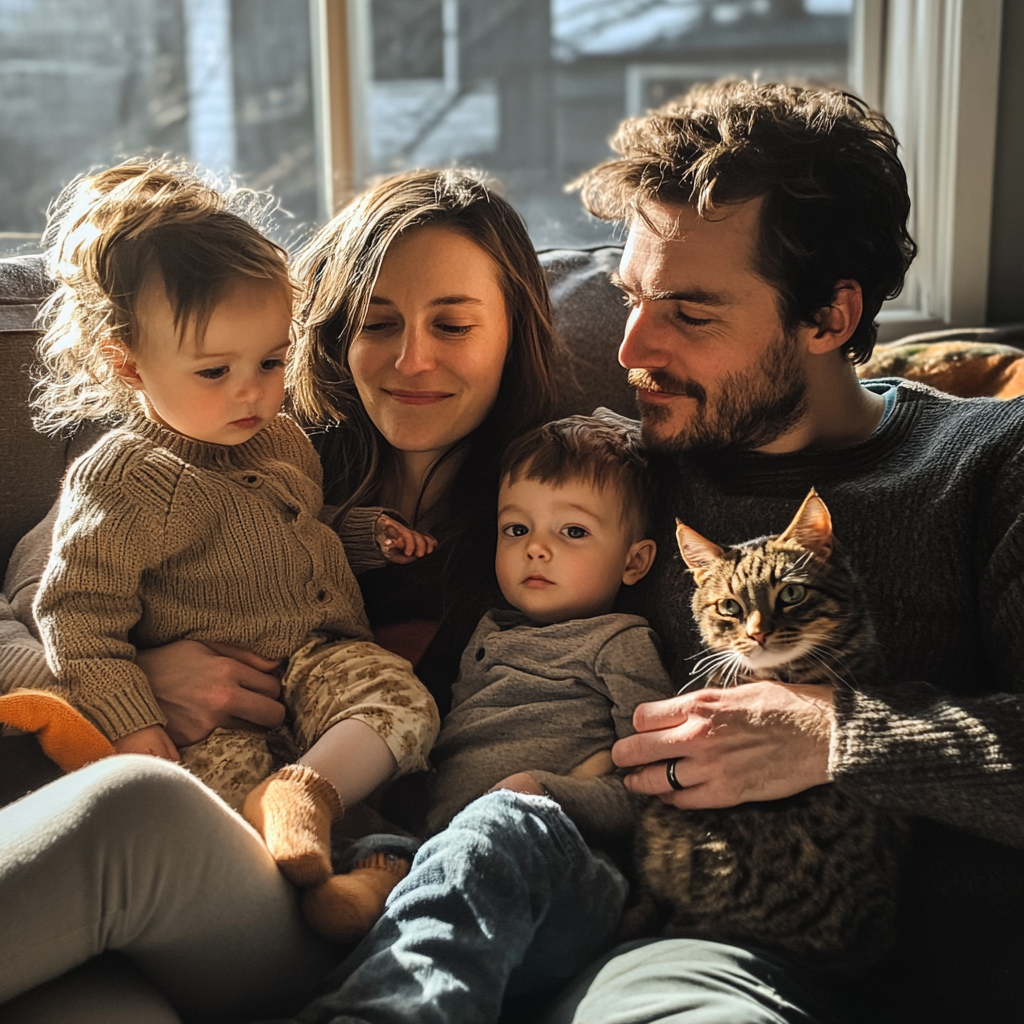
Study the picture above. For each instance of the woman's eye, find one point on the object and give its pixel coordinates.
(212, 372)
(792, 594)
(729, 608)
(515, 530)
(455, 330)
(378, 326)
(575, 532)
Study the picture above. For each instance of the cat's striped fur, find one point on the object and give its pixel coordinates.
(815, 874)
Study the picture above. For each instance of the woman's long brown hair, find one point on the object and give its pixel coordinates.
(338, 269)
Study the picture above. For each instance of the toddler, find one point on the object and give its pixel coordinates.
(200, 516)
(545, 686)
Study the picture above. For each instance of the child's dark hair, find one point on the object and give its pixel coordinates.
(112, 233)
(590, 449)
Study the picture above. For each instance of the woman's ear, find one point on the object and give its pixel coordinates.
(121, 364)
(639, 561)
(837, 321)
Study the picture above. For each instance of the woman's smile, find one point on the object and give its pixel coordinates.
(409, 397)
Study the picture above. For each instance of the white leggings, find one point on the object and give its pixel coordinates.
(133, 854)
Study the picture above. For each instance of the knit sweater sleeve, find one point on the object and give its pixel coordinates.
(954, 759)
(111, 529)
(356, 530)
(628, 672)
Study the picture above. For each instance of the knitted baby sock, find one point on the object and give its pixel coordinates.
(293, 810)
(346, 907)
(65, 736)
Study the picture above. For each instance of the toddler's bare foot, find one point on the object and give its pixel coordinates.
(293, 810)
(346, 907)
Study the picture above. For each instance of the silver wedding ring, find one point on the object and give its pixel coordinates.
(670, 774)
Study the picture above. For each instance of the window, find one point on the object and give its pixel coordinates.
(532, 89)
(311, 98)
(86, 82)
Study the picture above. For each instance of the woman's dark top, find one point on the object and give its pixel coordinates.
(454, 586)
(402, 593)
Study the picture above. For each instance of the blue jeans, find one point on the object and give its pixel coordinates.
(507, 900)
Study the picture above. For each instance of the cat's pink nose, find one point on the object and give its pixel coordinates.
(759, 637)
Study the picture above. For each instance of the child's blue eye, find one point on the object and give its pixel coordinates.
(271, 364)
(515, 530)
(575, 532)
(212, 372)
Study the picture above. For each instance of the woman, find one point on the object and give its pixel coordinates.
(426, 316)
(431, 360)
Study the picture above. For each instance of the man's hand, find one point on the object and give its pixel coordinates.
(400, 544)
(150, 740)
(758, 741)
(201, 687)
(521, 782)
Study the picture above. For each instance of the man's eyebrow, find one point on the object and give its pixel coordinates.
(444, 300)
(698, 296)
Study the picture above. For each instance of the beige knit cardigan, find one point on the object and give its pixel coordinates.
(162, 538)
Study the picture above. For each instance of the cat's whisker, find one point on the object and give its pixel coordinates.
(815, 656)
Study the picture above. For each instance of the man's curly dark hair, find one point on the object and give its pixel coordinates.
(835, 199)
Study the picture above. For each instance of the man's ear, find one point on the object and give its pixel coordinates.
(121, 364)
(837, 322)
(639, 561)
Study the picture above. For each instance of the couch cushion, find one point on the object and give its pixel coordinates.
(589, 318)
(24, 281)
(32, 464)
(971, 362)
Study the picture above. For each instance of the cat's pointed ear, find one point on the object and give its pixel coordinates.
(697, 551)
(811, 527)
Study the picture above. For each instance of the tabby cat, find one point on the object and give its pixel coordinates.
(814, 874)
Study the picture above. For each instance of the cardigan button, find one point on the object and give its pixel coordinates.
(480, 652)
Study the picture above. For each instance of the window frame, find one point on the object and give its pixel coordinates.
(932, 65)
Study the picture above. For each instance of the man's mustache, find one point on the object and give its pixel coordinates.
(658, 380)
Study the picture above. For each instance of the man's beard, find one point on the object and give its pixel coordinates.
(752, 408)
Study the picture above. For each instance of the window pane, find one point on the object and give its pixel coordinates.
(530, 90)
(224, 83)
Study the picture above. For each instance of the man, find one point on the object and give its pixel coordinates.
(766, 226)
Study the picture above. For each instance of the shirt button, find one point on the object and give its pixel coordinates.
(480, 652)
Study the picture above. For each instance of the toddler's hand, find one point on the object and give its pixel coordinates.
(400, 544)
(151, 740)
(521, 782)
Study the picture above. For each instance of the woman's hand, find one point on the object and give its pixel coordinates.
(400, 544)
(521, 782)
(201, 687)
(758, 741)
(151, 740)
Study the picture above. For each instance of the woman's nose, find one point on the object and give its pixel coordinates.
(642, 347)
(416, 354)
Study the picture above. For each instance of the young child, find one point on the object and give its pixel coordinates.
(547, 686)
(200, 516)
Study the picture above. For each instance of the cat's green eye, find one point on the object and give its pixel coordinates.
(793, 593)
(730, 608)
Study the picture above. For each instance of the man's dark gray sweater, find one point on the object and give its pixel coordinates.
(930, 511)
